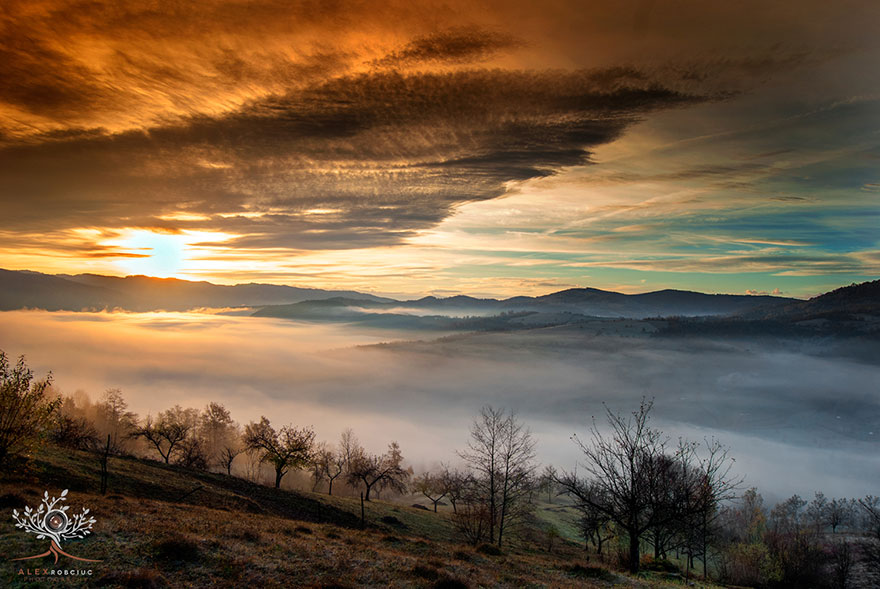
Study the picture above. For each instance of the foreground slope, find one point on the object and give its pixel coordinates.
(162, 526)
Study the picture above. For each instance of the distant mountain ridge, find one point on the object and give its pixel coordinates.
(24, 289)
(561, 307)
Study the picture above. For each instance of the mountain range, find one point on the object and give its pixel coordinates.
(24, 289)
(852, 308)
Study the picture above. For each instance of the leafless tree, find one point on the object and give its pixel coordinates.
(621, 466)
(457, 484)
(26, 407)
(170, 428)
(191, 454)
(870, 508)
(285, 449)
(547, 481)
(228, 454)
(501, 454)
(113, 417)
(433, 486)
(333, 464)
(384, 471)
(840, 513)
(216, 431)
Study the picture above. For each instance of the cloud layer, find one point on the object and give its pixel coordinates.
(284, 128)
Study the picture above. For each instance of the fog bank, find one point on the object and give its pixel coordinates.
(798, 417)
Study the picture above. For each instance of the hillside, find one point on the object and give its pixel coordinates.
(162, 526)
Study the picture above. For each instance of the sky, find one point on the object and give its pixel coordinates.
(408, 148)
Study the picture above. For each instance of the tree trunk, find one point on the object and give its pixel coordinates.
(330, 487)
(278, 476)
(633, 552)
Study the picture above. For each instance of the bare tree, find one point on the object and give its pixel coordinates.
(216, 430)
(26, 407)
(433, 486)
(228, 454)
(501, 454)
(457, 484)
(840, 513)
(113, 417)
(709, 483)
(170, 428)
(288, 448)
(817, 511)
(374, 471)
(547, 481)
(331, 464)
(595, 524)
(621, 465)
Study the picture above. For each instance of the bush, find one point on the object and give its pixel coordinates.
(425, 572)
(591, 572)
(393, 521)
(660, 565)
(177, 549)
(139, 579)
(12, 500)
(450, 583)
(489, 549)
(26, 409)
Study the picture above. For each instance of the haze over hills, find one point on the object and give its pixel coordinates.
(855, 307)
(23, 289)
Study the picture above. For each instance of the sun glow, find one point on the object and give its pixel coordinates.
(164, 255)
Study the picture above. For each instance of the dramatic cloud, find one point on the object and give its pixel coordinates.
(283, 128)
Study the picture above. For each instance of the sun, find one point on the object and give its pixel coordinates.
(153, 254)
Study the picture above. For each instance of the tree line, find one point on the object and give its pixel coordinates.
(632, 492)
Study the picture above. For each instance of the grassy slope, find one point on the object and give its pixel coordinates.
(234, 533)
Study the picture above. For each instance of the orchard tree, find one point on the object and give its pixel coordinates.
(375, 471)
(168, 431)
(285, 449)
(433, 486)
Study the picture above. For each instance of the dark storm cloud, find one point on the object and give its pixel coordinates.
(456, 45)
(387, 153)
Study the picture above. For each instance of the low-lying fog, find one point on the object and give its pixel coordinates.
(797, 418)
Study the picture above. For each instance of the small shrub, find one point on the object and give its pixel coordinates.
(12, 500)
(660, 565)
(177, 549)
(393, 521)
(391, 539)
(489, 549)
(138, 579)
(450, 583)
(246, 534)
(462, 555)
(419, 506)
(425, 572)
(302, 530)
(591, 572)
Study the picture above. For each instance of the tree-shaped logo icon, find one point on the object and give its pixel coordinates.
(50, 520)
